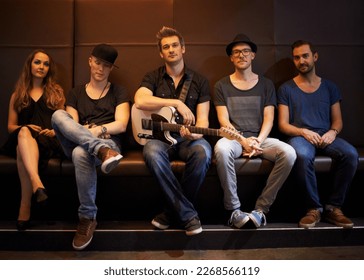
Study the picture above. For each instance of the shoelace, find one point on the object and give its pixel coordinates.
(235, 214)
(337, 212)
(84, 227)
(262, 217)
(314, 213)
(264, 220)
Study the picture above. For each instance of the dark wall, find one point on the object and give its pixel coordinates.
(70, 28)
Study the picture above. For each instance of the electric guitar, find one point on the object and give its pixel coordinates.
(158, 124)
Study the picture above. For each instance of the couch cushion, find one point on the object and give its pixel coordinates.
(133, 165)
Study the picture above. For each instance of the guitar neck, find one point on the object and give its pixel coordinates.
(193, 129)
(157, 125)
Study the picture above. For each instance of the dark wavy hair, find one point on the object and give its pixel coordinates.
(54, 93)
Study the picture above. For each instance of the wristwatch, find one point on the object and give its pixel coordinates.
(103, 129)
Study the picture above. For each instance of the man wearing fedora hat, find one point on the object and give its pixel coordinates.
(89, 131)
(245, 102)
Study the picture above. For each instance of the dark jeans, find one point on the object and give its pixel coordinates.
(345, 161)
(179, 195)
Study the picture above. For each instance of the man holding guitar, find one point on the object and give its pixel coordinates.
(174, 85)
(246, 102)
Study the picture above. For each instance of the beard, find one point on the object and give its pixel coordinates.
(305, 69)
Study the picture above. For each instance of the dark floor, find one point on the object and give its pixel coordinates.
(137, 241)
(316, 253)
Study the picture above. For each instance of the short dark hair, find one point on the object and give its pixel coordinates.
(299, 43)
(168, 32)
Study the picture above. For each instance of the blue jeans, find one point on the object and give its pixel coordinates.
(281, 154)
(82, 147)
(180, 196)
(345, 161)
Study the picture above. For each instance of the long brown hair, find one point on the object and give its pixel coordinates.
(54, 93)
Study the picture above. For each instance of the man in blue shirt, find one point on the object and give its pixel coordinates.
(310, 115)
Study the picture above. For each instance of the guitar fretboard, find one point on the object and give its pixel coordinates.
(165, 126)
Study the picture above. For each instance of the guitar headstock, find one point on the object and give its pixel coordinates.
(229, 133)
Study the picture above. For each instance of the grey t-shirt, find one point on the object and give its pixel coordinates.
(245, 107)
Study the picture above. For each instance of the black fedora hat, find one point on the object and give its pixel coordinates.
(106, 53)
(241, 38)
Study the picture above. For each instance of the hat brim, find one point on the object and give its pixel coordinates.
(232, 44)
(105, 61)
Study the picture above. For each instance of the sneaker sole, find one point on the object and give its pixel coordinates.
(340, 224)
(79, 248)
(159, 225)
(111, 163)
(194, 232)
(307, 226)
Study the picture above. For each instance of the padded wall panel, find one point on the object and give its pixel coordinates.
(325, 22)
(36, 22)
(217, 22)
(24, 26)
(130, 26)
(208, 26)
(344, 65)
(335, 27)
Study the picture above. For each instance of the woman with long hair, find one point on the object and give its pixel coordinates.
(31, 139)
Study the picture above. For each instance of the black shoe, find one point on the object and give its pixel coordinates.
(161, 221)
(193, 227)
(22, 225)
(41, 195)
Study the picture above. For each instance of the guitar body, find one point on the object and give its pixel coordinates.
(143, 134)
(157, 124)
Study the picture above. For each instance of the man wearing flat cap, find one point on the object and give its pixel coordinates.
(89, 131)
(245, 102)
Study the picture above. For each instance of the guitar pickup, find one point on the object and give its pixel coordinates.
(145, 136)
(146, 124)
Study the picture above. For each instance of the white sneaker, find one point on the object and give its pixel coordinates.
(238, 218)
(258, 218)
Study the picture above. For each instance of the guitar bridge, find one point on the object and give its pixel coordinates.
(145, 136)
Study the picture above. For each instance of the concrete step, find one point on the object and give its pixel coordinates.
(141, 236)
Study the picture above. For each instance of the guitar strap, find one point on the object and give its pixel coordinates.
(185, 87)
(183, 94)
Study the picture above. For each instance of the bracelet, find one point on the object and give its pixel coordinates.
(336, 131)
(103, 132)
(103, 129)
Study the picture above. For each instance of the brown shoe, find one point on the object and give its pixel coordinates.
(335, 216)
(312, 217)
(109, 157)
(84, 233)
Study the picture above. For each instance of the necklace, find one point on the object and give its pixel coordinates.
(95, 105)
(102, 92)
